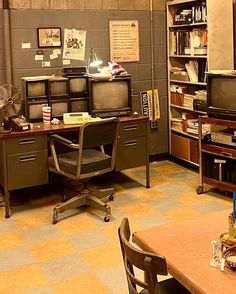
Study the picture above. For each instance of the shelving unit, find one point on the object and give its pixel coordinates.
(212, 173)
(216, 40)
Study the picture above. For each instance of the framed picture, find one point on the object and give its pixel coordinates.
(49, 37)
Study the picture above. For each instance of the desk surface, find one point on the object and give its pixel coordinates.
(41, 128)
(186, 246)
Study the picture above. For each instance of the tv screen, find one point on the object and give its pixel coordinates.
(110, 97)
(221, 96)
(58, 88)
(223, 93)
(77, 85)
(59, 107)
(36, 88)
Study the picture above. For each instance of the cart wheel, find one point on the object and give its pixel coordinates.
(111, 197)
(199, 189)
(107, 218)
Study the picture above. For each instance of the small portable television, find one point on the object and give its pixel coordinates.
(35, 94)
(58, 87)
(221, 96)
(58, 91)
(34, 87)
(110, 97)
(78, 86)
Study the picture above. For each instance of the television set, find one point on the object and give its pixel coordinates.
(35, 87)
(110, 97)
(59, 106)
(78, 86)
(58, 87)
(221, 96)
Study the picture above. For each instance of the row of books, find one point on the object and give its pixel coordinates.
(193, 71)
(185, 42)
(193, 14)
(188, 122)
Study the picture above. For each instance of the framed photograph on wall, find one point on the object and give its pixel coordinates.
(49, 37)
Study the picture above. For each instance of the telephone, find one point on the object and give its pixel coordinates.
(16, 123)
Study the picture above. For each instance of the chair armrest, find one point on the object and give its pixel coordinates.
(56, 138)
(63, 141)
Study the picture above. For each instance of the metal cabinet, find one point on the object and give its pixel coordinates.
(26, 162)
(132, 145)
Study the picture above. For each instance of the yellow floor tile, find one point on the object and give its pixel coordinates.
(139, 210)
(21, 279)
(181, 213)
(81, 223)
(102, 257)
(10, 241)
(83, 284)
(51, 249)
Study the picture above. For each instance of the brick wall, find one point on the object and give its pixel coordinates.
(86, 4)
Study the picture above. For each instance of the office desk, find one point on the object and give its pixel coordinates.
(24, 155)
(186, 246)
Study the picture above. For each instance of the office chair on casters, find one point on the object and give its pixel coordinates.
(93, 155)
(151, 265)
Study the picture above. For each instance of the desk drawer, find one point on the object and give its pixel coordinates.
(131, 153)
(26, 144)
(28, 169)
(132, 130)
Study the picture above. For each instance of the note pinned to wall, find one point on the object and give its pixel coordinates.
(66, 61)
(25, 45)
(124, 40)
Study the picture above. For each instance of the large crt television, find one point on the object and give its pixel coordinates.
(221, 96)
(110, 97)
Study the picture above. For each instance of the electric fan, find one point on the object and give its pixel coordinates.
(10, 108)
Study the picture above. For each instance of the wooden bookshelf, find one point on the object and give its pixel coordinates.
(218, 32)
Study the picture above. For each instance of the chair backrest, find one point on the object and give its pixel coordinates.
(101, 135)
(151, 264)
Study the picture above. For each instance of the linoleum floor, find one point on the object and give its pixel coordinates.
(81, 253)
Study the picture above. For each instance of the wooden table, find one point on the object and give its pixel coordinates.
(186, 246)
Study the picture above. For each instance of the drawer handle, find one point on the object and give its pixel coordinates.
(28, 158)
(26, 141)
(226, 154)
(131, 128)
(130, 143)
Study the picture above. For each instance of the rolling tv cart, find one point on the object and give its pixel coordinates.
(217, 155)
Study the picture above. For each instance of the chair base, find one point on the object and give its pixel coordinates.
(88, 196)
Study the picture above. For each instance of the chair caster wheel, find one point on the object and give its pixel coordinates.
(107, 218)
(54, 218)
(111, 197)
(199, 190)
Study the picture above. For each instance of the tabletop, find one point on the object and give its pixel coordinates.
(188, 251)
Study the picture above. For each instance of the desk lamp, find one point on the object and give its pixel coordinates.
(93, 62)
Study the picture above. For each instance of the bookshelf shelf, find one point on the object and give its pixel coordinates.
(180, 107)
(185, 134)
(198, 40)
(187, 56)
(188, 82)
(197, 24)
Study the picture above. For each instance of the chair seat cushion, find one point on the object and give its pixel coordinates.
(169, 286)
(92, 161)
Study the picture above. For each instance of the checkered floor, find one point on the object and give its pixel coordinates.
(81, 254)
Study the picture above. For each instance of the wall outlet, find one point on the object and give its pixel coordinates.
(154, 124)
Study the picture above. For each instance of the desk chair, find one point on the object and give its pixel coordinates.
(151, 264)
(84, 160)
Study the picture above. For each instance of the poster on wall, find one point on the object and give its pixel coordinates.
(150, 104)
(74, 44)
(124, 40)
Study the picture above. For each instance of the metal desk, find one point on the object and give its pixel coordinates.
(23, 155)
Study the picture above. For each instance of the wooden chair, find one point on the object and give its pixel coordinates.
(93, 155)
(151, 264)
